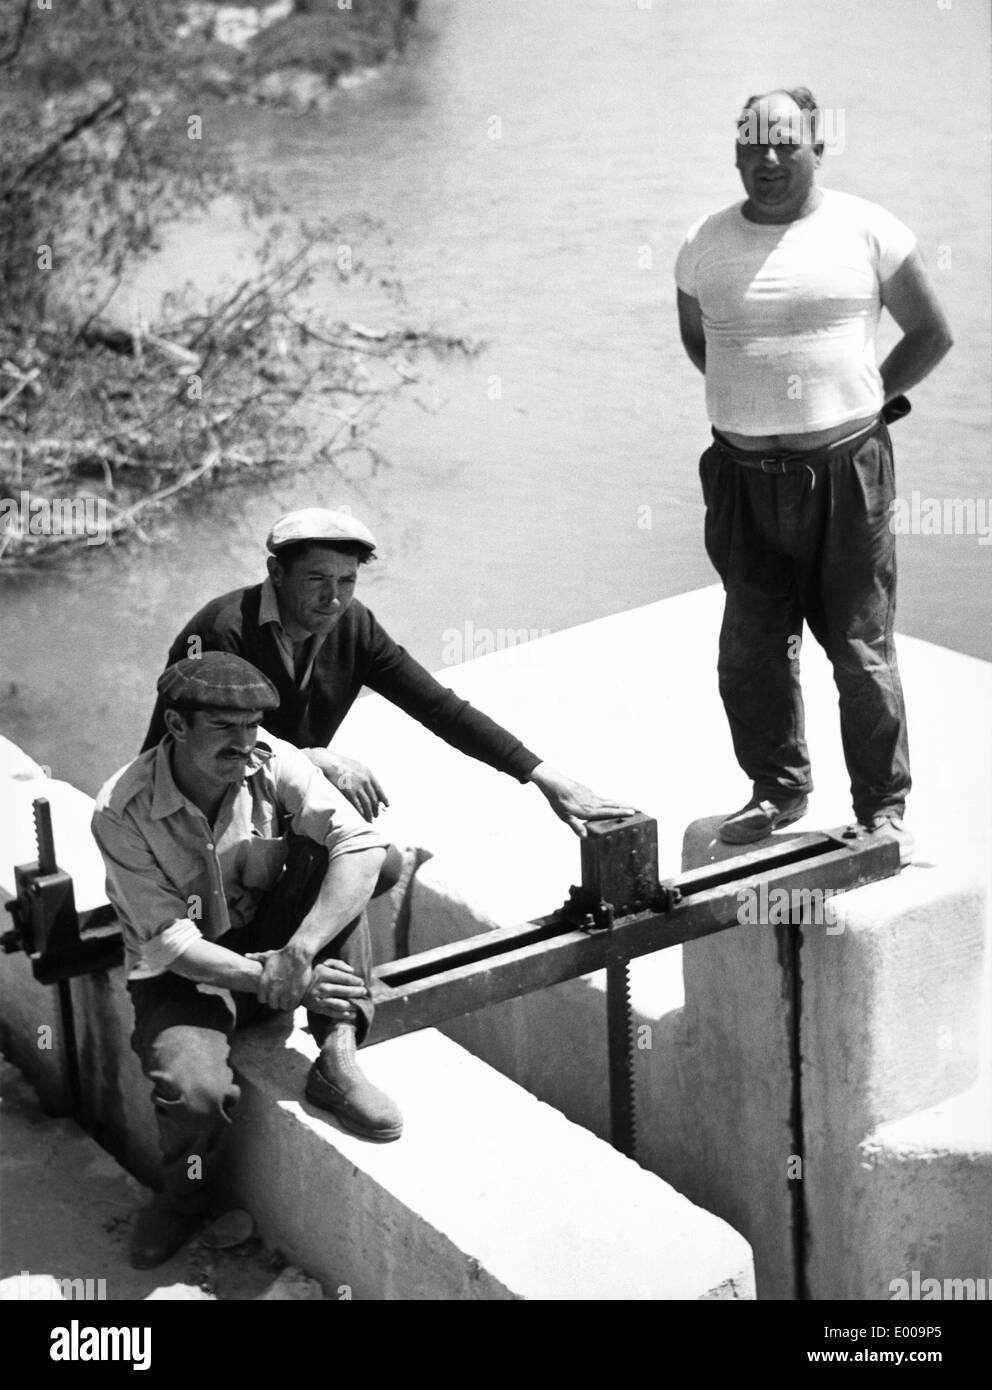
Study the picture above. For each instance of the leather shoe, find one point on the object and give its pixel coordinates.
(887, 825)
(337, 1084)
(758, 819)
(159, 1231)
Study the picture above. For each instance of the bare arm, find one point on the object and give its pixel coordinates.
(348, 883)
(282, 978)
(209, 964)
(330, 988)
(911, 299)
(345, 891)
(691, 329)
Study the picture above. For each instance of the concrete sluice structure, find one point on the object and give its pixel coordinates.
(820, 1094)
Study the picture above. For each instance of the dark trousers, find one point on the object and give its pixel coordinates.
(183, 1035)
(814, 544)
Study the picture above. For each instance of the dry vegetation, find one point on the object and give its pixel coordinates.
(132, 418)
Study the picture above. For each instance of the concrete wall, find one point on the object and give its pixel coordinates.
(489, 1195)
(891, 1011)
(938, 1160)
(887, 1022)
(814, 1038)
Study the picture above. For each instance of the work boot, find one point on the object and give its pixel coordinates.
(887, 825)
(336, 1083)
(159, 1231)
(758, 819)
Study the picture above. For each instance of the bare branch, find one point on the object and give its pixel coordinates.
(111, 106)
(20, 32)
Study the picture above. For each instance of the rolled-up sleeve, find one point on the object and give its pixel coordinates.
(315, 807)
(154, 916)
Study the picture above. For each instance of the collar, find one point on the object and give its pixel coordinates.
(268, 607)
(268, 616)
(167, 799)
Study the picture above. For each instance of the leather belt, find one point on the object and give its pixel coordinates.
(780, 463)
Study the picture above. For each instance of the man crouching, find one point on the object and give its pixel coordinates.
(240, 878)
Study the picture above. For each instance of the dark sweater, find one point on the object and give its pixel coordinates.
(356, 653)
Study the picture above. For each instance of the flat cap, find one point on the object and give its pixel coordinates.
(217, 680)
(318, 524)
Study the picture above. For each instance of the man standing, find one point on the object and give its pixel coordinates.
(304, 628)
(778, 299)
(240, 880)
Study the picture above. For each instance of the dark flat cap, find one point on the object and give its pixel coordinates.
(217, 680)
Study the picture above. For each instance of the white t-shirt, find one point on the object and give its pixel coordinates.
(790, 312)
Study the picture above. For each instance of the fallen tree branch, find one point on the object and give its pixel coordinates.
(12, 395)
(262, 382)
(109, 107)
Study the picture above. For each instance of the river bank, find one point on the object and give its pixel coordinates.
(103, 425)
(293, 56)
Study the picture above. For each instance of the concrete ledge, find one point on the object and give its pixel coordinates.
(554, 1043)
(938, 1162)
(888, 1021)
(891, 1021)
(890, 1015)
(715, 1089)
(893, 998)
(714, 1086)
(489, 1194)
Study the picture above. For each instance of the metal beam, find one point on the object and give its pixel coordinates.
(449, 981)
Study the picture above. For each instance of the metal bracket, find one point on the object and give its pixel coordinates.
(60, 941)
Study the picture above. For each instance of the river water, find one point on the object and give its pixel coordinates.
(535, 164)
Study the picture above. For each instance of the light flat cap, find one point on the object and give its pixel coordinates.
(217, 680)
(318, 524)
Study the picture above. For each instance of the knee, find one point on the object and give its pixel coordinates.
(202, 1097)
(389, 874)
(864, 655)
(195, 1078)
(208, 1096)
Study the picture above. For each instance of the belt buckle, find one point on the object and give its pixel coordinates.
(772, 465)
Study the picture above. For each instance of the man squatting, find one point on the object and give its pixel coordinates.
(240, 876)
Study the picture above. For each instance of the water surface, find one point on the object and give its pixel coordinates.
(554, 478)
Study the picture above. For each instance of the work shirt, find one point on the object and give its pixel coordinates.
(790, 311)
(174, 878)
(297, 659)
(357, 652)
